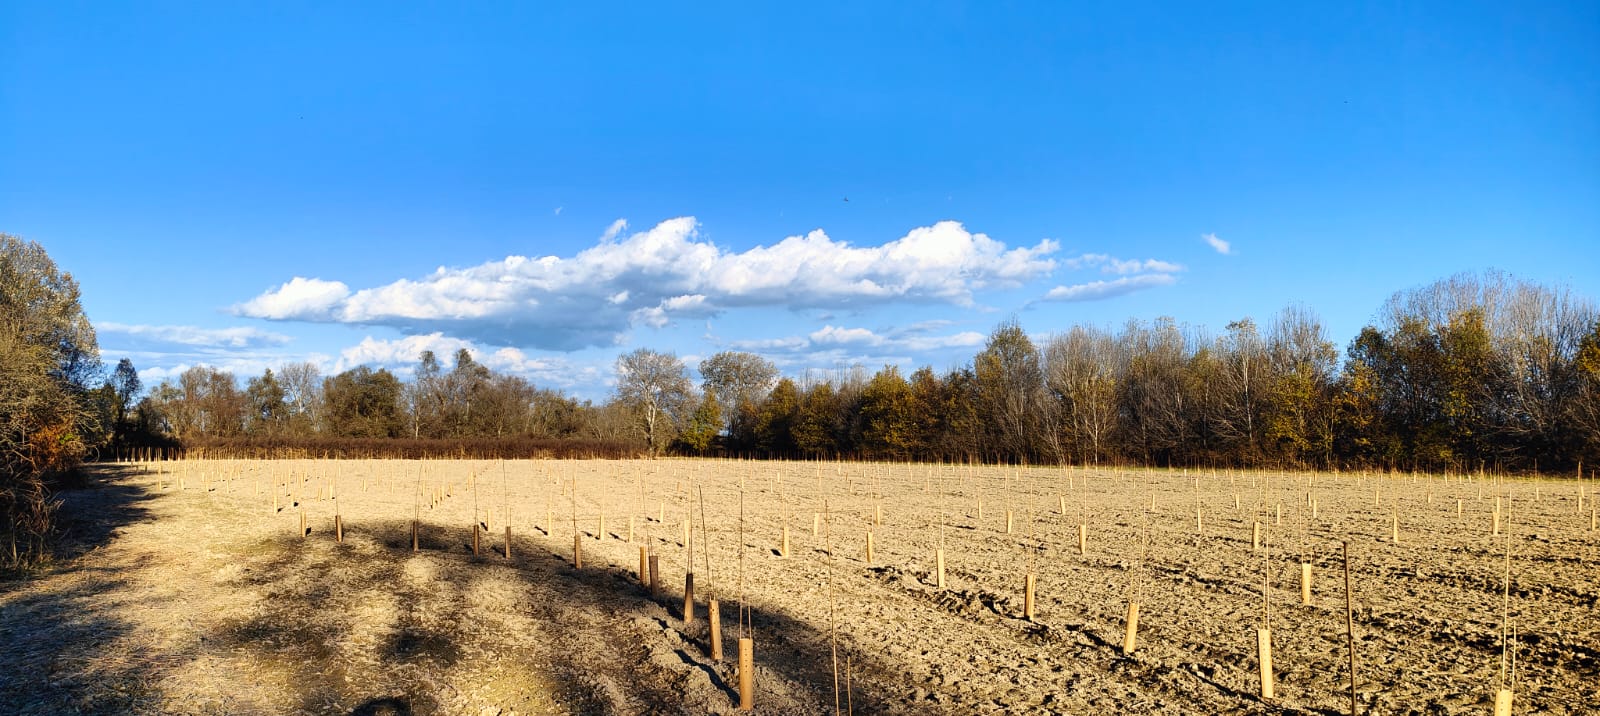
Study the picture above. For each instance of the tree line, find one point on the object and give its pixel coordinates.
(1478, 371)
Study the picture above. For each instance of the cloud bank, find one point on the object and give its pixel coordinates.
(653, 277)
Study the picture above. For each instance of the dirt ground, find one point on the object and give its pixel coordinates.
(188, 588)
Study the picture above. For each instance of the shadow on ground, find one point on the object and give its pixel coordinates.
(368, 627)
(44, 618)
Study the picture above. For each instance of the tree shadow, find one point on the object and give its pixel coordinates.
(48, 625)
(623, 653)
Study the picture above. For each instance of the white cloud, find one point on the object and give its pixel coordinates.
(1221, 246)
(405, 351)
(136, 336)
(651, 277)
(1135, 274)
(829, 335)
(1096, 290)
(1114, 265)
(787, 344)
(303, 299)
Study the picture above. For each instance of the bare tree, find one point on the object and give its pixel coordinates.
(1082, 369)
(656, 387)
(1240, 389)
(302, 394)
(1156, 401)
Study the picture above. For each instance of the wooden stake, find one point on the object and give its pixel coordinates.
(784, 550)
(1027, 597)
(1083, 538)
(577, 551)
(476, 538)
(688, 598)
(1502, 702)
(338, 529)
(869, 546)
(414, 536)
(747, 677)
(714, 612)
(303, 529)
(1350, 625)
(655, 576)
(816, 524)
(644, 565)
(1305, 583)
(938, 558)
(1255, 536)
(508, 541)
(1008, 521)
(1264, 649)
(1130, 634)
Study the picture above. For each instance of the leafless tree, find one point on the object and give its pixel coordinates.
(656, 386)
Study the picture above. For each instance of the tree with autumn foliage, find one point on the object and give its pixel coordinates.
(50, 419)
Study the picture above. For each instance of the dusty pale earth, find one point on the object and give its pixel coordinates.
(189, 588)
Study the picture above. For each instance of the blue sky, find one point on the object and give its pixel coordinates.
(868, 182)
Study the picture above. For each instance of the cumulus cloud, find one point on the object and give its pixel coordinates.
(306, 299)
(652, 277)
(1095, 290)
(139, 336)
(1222, 247)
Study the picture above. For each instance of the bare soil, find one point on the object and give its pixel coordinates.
(184, 590)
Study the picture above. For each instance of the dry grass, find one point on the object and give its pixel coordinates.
(205, 600)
